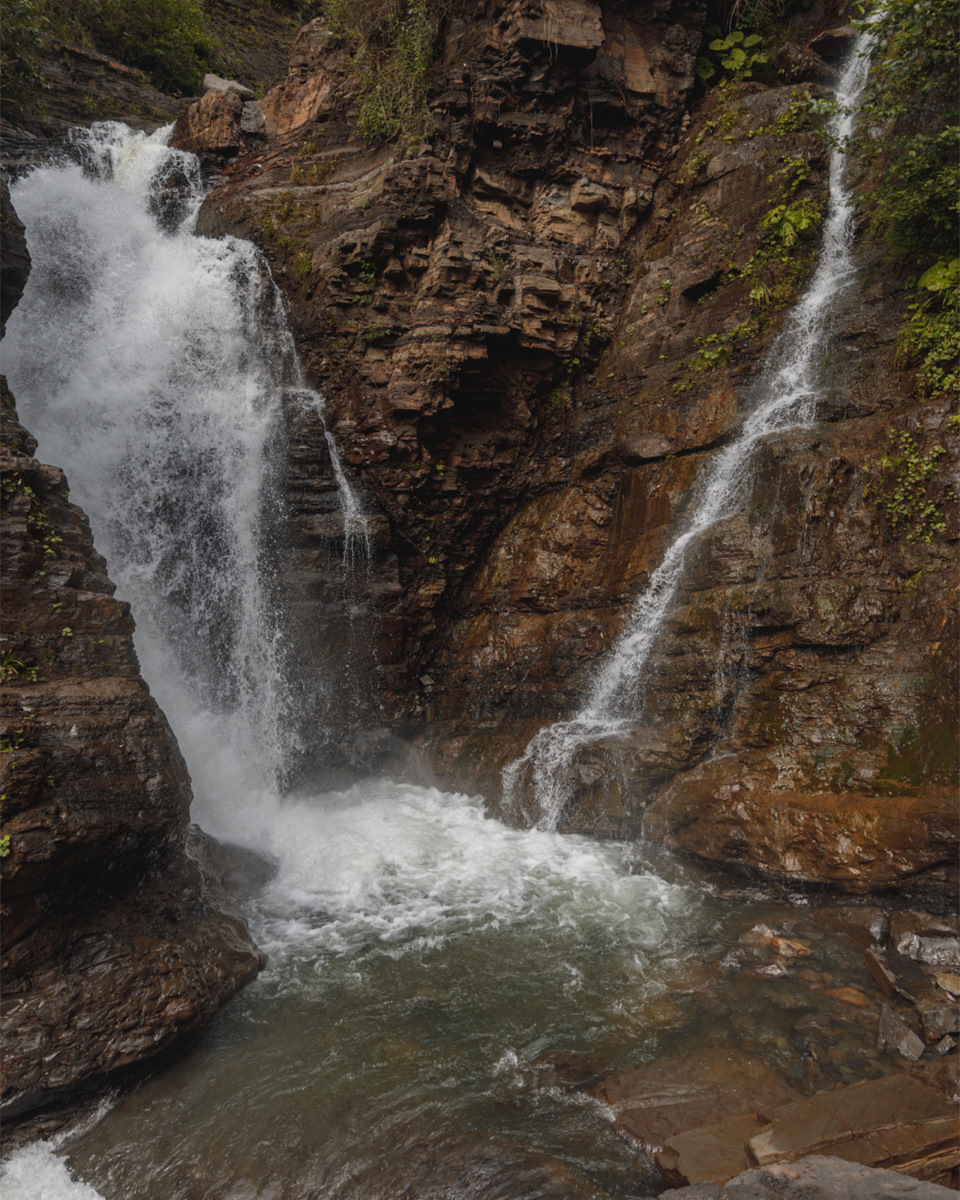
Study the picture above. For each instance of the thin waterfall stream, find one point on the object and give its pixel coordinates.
(428, 966)
(788, 398)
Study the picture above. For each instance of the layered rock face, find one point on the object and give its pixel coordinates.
(440, 297)
(533, 330)
(117, 939)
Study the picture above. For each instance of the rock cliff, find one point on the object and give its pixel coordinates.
(533, 324)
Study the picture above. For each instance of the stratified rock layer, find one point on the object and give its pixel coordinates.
(114, 942)
(533, 327)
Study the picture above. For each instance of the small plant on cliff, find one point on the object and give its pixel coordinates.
(907, 143)
(789, 223)
(931, 336)
(5, 846)
(391, 44)
(900, 490)
(734, 55)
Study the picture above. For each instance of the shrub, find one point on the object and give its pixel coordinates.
(167, 39)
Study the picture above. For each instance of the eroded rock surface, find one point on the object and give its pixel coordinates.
(533, 328)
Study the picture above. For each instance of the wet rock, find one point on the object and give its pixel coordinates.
(863, 925)
(14, 255)
(896, 1036)
(708, 1154)
(860, 843)
(833, 44)
(893, 1122)
(938, 1019)
(934, 951)
(817, 1177)
(655, 1101)
(923, 924)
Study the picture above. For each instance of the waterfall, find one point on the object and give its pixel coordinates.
(788, 390)
(161, 362)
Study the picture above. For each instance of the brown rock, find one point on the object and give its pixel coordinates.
(654, 1102)
(895, 1122)
(713, 1153)
(816, 1177)
(895, 1035)
(860, 843)
(211, 125)
(116, 941)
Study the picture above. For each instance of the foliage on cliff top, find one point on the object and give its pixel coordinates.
(908, 138)
(391, 43)
(167, 39)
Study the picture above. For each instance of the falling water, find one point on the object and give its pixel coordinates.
(788, 389)
(422, 956)
(155, 366)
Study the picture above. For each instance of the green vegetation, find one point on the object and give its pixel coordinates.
(931, 337)
(789, 223)
(5, 846)
(22, 33)
(39, 528)
(900, 489)
(391, 43)
(912, 172)
(734, 55)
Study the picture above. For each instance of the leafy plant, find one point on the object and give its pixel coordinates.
(931, 336)
(913, 172)
(375, 331)
(392, 44)
(900, 489)
(167, 39)
(5, 846)
(789, 223)
(22, 33)
(735, 54)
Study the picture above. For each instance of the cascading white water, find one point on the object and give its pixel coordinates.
(153, 366)
(423, 956)
(157, 361)
(788, 390)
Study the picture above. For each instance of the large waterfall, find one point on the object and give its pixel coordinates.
(419, 950)
(788, 394)
(433, 975)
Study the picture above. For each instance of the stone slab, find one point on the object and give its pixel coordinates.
(655, 1101)
(817, 1177)
(895, 1121)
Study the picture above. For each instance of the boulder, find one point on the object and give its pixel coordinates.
(655, 1101)
(211, 125)
(858, 842)
(895, 1122)
(213, 83)
(816, 1177)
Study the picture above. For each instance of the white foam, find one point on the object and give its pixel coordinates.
(35, 1172)
(389, 860)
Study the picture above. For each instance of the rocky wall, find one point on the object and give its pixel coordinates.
(533, 327)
